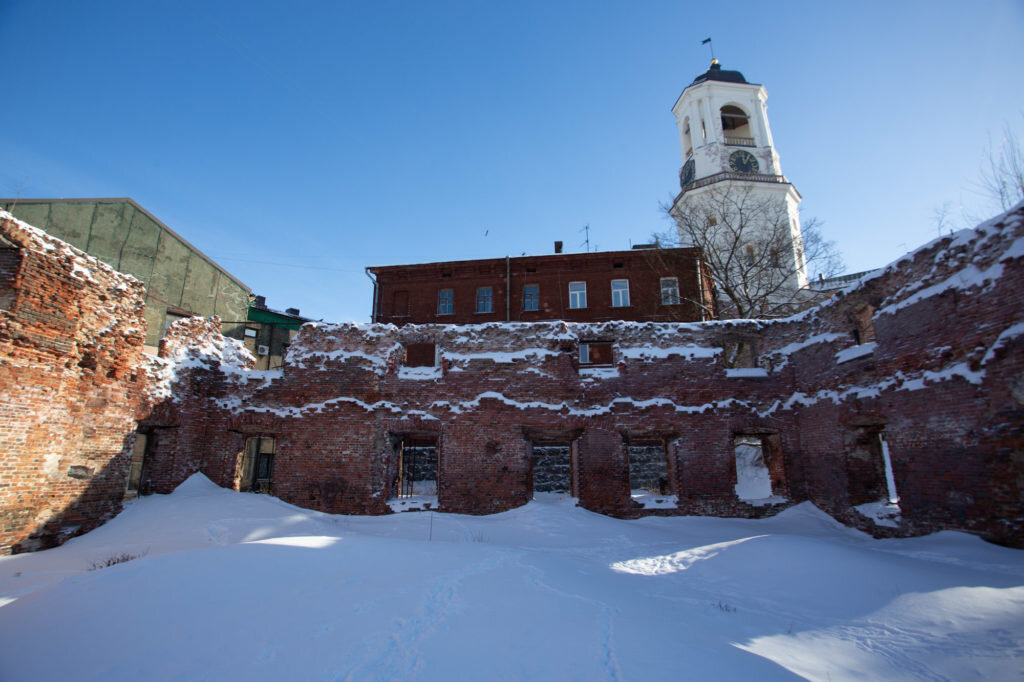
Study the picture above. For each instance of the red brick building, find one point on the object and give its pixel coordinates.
(644, 284)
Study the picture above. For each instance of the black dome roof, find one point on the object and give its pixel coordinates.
(716, 73)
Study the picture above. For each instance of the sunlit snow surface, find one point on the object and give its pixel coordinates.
(244, 587)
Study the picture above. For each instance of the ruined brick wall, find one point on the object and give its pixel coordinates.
(938, 373)
(922, 360)
(71, 337)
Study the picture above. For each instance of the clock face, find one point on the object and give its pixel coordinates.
(743, 162)
(687, 173)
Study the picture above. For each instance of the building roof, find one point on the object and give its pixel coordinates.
(717, 73)
(133, 203)
(554, 257)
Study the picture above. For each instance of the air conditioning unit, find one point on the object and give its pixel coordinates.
(263, 350)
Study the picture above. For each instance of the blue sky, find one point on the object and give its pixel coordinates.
(297, 143)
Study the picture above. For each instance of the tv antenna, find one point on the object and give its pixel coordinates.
(586, 241)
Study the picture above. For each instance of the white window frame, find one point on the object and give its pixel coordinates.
(670, 294)
(620, 294)
(487, 298)
(577, 295)
(534, 297)
(449, 300)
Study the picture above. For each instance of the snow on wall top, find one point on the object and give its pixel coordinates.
(100, 316)
(76, 262)
(973, 261)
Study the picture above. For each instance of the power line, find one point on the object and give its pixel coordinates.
(282, 265)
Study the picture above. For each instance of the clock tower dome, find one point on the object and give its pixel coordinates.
(729, 155)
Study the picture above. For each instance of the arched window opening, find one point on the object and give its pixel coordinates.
(736, 127)
(687, 140)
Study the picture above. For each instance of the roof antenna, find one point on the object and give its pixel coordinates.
(707, 41)
(586, 242)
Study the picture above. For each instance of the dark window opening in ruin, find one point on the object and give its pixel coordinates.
(649, 477)
(760, 471)
(414, 472)
(869, 468)
(553, 467)
(740, 353)
(256, 468)
(864, 329)
(10, 260)
(595, 354)
(141, 448)
(421, 355)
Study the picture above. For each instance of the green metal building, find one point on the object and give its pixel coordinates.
(180, 280)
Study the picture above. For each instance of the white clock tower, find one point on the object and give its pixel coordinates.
(731, 178)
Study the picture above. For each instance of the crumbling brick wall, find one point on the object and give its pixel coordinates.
(71, 337)
(936, 367)
(926, 352)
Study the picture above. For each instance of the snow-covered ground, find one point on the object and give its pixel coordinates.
(237, 586)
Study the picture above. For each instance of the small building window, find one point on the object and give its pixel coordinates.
(750, 256)
(620, 293)
(401, 303)
(484, 300)
(577, 294)
(445, 302)
(595, 353)
(170, 318)
(531, 297)
(670, 291)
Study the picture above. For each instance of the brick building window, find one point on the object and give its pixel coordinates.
(484, 300)
(670, 291)
(577, 294)
(620, 293)
(401, 303)
(445, 302)
(531, 297)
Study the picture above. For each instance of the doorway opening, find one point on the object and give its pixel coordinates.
(553, 464)
(414, 474)
(141, 448)
(650, 483)
(256, 468)
(760, 471)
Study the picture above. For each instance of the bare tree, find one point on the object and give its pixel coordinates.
(1002, 174)
(758, 263)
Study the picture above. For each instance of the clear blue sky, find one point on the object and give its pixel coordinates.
(297, 143)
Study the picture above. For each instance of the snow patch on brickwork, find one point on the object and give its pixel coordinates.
(854, 352)
(650, 353)
(78, 264)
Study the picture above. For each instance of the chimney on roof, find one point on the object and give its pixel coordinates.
(558, 247)
(260, 302)
(292, 311)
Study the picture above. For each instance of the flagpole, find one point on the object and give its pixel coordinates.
(711, 46)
